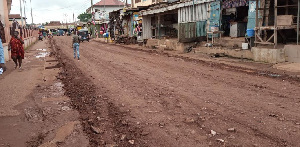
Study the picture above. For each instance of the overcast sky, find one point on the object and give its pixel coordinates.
(51, 10)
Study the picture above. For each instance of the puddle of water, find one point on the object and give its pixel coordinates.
(271, 75)
(274, 75)
(54, 91)
(41, 49)
(57, 89)
(59, 86)
(42, 55)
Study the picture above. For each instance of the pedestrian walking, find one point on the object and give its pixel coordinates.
(75, 44)
(17, 49)
(2, 60)
(45, 34)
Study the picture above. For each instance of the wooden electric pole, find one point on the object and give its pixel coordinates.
(31, 13)
(24, 3)
(21, 13)
(91, 6)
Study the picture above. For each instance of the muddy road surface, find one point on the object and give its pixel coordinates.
(129, 97)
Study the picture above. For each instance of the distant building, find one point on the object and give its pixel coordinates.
(104, 7)
(16, 17)
(55, 25)
(143, 3)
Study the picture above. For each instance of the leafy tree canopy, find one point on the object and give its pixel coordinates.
(84, 17)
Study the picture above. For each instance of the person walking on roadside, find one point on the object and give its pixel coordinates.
(17, 49)
(75, 45)
(2, 60)
(44, 34)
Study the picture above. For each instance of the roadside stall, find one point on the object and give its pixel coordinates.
(235, 17)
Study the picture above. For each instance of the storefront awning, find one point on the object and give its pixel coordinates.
(173, 7)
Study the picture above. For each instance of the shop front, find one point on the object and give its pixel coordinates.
(234, 17)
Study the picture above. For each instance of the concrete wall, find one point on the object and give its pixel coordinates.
(142, 3)
(168, 44)
(268, 55)
(108, 9)
(28, 41)
(6, 52)
(2, 11)
(256, 54)
(292, 53)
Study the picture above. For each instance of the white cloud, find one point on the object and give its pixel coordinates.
(51, 10)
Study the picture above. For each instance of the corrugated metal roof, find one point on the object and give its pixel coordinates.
(14, 16)
(54, 23)
(173, 7)
(109, 3)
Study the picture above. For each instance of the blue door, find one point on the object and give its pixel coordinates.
(215, 12)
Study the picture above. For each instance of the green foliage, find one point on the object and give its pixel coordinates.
(84, 17)
(43, 24)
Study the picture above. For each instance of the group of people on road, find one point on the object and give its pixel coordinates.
(17, 50)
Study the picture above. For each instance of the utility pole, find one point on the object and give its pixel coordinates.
(31, 13)
(21, 12)
(66, 15)
(91, 6)
(92, 28)
(24, 2)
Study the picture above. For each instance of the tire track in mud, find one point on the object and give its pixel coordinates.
(103, 122)
(223, 66)
(273, 138)
(254, 131)
(247, 126)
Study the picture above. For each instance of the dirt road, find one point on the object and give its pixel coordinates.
(33, 108)
(129, 97)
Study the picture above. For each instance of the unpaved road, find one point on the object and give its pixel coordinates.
(128, 97)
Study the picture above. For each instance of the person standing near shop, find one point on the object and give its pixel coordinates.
(17, 49)
(75, 45)
(2, 60)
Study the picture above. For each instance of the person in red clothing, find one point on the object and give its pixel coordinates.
(17, 49)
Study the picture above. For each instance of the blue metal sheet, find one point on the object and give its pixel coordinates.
(201, 28)
(187, 32)
(251, 14)
(215, 14)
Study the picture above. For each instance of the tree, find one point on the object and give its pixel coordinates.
(84, 17)
(43, 24)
